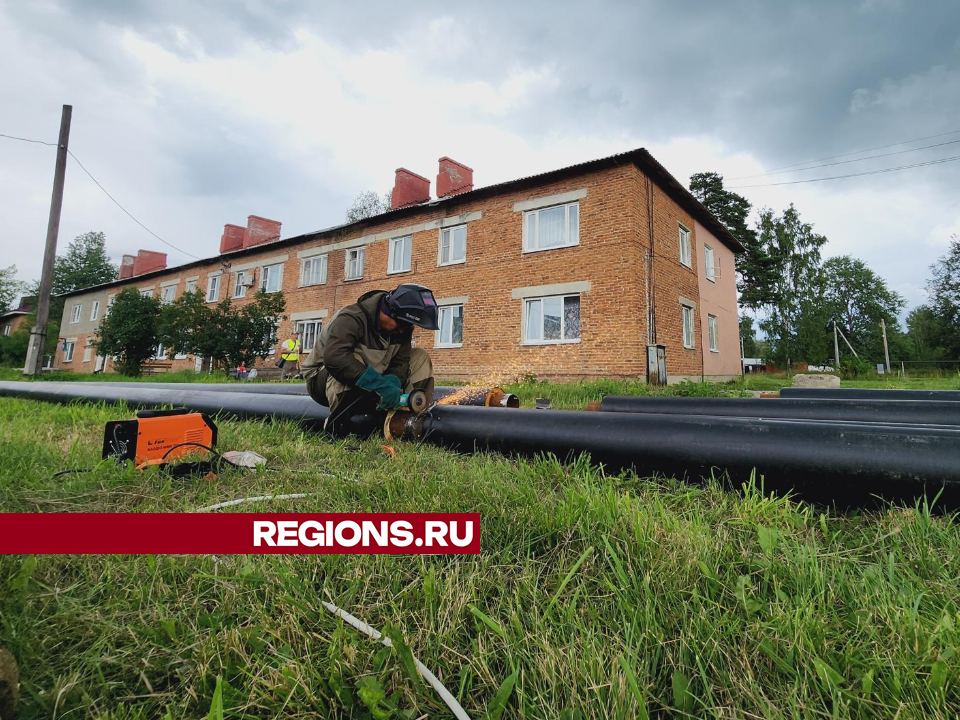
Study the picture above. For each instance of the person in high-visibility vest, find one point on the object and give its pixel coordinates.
(290, 353)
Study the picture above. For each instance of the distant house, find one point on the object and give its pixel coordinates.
(754, 365)
(11, 321)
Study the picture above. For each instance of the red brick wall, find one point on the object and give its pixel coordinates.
(613, 241)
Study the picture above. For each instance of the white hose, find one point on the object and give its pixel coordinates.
(374, 634)
(257, 498)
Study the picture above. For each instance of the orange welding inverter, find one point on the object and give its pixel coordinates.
(159, 436)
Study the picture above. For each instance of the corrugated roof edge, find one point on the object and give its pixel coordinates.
(643, 159)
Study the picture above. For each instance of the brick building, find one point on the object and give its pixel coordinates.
(572, 273)
(13, 320)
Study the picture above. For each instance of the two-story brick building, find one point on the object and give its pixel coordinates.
(572, 273)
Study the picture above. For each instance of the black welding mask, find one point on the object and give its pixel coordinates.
(413, 304)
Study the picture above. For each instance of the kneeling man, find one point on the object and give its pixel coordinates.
(363, 360)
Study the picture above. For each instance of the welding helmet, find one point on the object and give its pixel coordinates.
(413, 304)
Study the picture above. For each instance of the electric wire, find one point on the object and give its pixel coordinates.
(855, 152)
(859, 174)
(23, 139)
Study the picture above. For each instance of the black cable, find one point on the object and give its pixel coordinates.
(68, 472)
(38, 142)
(839, 177)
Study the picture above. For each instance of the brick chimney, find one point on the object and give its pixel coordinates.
(409, 189)
(126, 266)
(453, 178)
(148, 261)
(260, 230)
(232, 238)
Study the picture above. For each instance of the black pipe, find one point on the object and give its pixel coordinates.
(910, 412)
(869, 394)
(236, 405)
(821, 461)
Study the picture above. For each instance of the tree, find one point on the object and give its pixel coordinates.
(755, 268)
(84, 264)
(367, 204)
(924, 333)
(748, 336)
(858, 299)
(129, 331)
(10, 287)
(944, 291)
(790, 303)
(230, 335)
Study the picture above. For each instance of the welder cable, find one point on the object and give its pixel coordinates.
(375, 634)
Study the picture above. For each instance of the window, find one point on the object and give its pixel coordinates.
(552, 319)
(687, 326)
(88, 350)
(240, 285)
(712, 332)
(147, 293)
(400, 249)
(453, 245)
(160, 353)
(190, 287)
(95, 310)
(309, 332)
(685, 246)
(111, 299)
(271, 278)
(354, 266)
(180, 356)
(313, 271)
(68, 346)
(709, 268)
(6, 329)
(167, 293)
(76, 314)
(271, 341)
(450, 333)
(551, 227)
(213, 288)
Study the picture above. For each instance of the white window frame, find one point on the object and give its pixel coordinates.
(77, 309)
(95, 311)
(712, 333)
(267, 272)
(167, 294)
(147, 293)
(88, 350)
(686, 251)
(68, 345)
(531, 228)
(360, 255)
(239, 285)
(313, 276)
(180, 356)
(190, 286)
(401, 241)
(449, 233)
(709, 264)
(160, 352)
(526, 340)
(6, 329)
(688, 311)
(111, 299)
(300, 326)
(438, 341)
(213, 289)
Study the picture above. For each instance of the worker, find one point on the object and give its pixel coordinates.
(290, 355)
(364, 359)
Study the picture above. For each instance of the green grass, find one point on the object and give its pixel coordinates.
(595, 595)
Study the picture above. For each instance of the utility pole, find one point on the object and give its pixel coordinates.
(38, 333)
(836, 348)
(886, 350)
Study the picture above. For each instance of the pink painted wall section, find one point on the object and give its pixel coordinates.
(718, 298)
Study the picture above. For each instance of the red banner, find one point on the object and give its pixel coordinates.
(239, 533)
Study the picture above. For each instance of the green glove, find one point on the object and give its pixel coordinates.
(386, 386)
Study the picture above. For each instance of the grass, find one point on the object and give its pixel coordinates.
(595, 595)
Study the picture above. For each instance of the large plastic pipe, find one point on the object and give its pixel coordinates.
(912, 412)
(823, 461)
(869, 394)
(238, 405)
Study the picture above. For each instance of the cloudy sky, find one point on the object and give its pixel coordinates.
(197, 113)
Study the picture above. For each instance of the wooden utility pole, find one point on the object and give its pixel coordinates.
(886, 350)
(38, 333)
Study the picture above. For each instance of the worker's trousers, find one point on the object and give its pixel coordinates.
(327, 390)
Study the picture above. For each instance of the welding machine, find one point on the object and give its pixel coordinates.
(157, 437)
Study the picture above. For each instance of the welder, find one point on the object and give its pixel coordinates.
(364, 362)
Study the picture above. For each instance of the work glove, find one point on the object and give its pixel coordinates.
(386, 386)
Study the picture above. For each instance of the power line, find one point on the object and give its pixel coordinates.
(38, 142)
(115, 202)
(838, 177)
(855, 152)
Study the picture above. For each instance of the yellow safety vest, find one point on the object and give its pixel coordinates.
(291, 350)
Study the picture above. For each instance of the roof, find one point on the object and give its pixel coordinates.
(639, 157)
(12, 313)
